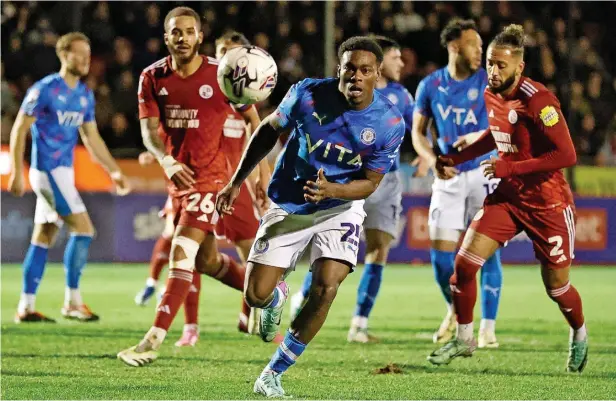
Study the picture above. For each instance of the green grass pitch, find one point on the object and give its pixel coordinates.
(78, 361)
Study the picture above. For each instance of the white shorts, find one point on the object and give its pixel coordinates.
(56, 195)
(333, 234)
(454, 202)
(384, 206)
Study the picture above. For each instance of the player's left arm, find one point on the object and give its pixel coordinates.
(98, 150)
(548, 119)
(374, 168)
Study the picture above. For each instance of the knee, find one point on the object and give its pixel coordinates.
(465, 270)
(324, 293)
(208, 263)
(255, 296)
(45, 234)
(183, 253)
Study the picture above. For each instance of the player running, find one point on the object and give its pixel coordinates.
(345, 138)
(452, 97)
(382, 208)
(183, 114)
(58, 109)
(531, 135)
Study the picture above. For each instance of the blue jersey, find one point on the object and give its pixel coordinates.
(457, 107)
(327, 134)
(402, 99)
(59, 111)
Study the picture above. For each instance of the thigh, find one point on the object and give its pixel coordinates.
(495, 220)
(553, 236)
(384, 206)
(197, 210)
(447, 208)
(243, 223)
(281, 238)
(66, 197)
(337, 237)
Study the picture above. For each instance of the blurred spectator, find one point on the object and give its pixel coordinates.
(407, 20)
(99, 27)
(128, 36)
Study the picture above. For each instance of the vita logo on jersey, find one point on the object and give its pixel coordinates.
(70, 118)
(460, 115)
(342, 151)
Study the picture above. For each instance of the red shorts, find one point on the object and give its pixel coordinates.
(552, 232)
(197, 209)
(243, 223)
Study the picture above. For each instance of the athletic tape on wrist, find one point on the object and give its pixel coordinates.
(170, 166)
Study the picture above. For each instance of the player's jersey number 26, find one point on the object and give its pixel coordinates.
(202, 204)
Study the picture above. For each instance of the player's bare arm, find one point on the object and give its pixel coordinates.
(146, 158)
(251, 116)
(424, 148)
(482, 145)
(261, 143)
(98, 150)
(321, 189)
(17, 147)
(177, 172)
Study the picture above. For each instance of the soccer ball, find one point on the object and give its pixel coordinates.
(247, 74)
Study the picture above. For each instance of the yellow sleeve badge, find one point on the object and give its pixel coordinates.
(549, 116)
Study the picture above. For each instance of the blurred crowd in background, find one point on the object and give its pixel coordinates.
(571, 49)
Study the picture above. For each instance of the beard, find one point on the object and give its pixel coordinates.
(75, 71)
(504, 86)
(183, 58)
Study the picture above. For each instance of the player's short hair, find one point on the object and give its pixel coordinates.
(182, 12)
(66, 41)
(361, 43)
(386, 43)
(512, 37)
(233, 37)
(454, 28)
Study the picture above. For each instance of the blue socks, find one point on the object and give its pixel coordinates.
(368, 289)
(306, 284)
(442, 263)
(34, 266)
(288, 351)
(491, 282)
(75, 258)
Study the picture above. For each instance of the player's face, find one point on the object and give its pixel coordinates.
(358, 72)
(224, 47)
(392, 64)
(470, 49)
(503, 68)
(183, 38)
(77, 58)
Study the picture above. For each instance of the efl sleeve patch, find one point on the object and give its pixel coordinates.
(549, 116)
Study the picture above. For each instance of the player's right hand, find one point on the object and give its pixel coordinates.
(146, 158)
(444, 168)
(225, 199)
(16, 184)
(183, 179)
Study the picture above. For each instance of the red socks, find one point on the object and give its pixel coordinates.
(178, 285)
(570, 303)
(191, 304)
(464, 284)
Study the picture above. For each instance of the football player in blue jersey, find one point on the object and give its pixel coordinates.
(453, 97)
(382, 208)
(57, 109)
(344, 139)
